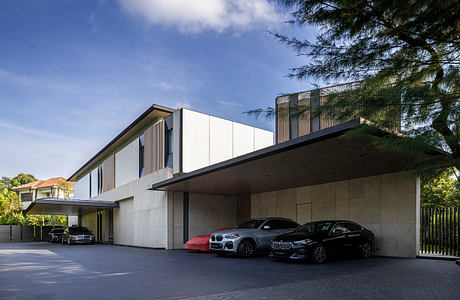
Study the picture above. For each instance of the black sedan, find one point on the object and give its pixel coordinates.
(55, 235)
(320, 240)
(77, 235)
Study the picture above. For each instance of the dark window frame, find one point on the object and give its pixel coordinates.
(141, 156)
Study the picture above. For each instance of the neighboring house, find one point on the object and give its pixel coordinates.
(173, 174)
(57, 187)
(53, 188)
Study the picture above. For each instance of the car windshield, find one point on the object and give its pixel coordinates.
(251, 224)
(78, 230)
(314, 227)
(58, 230)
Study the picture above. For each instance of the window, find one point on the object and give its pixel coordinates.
(47, 195)
(251, 224)
(26, 197)
(285, 224)
(99, 180)
(340, 228)
(141, 156)
(274, 224)
(314, 227)
(169, 148)
(353, 227)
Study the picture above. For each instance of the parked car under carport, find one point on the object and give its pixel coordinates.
(320, 240)
(77, 235)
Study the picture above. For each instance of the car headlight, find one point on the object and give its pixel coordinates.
(302, 242)
(232, 236)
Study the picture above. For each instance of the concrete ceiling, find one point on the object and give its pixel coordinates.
(72, 207)
(322, 157)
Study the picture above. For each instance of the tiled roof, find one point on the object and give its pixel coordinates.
(44, 183)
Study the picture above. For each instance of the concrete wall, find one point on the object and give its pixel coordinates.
(141, 219)
(207, 213)
(127, 164)
(90, 221)
(93, 182)
(208, 140)
(386, 204)
(81, 188)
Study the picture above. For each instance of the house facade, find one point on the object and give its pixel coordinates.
(161, 144)
(173, 174)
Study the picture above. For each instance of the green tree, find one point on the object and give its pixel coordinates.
(9, 202)
(440, 189)
(22, 178)
(404, 57)
(6, 183)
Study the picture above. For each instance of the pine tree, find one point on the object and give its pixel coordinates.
(404, 57)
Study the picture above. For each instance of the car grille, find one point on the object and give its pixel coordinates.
(219, 237)
(281, 245)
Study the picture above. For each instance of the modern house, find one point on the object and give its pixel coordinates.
(173, 174)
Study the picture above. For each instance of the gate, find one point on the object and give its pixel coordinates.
(440, 231)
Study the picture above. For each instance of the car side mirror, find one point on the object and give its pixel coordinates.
(266, 227)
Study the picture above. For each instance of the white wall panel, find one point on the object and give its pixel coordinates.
(220, 140)
(81, 188)
(94, 182)
(262, 138)
(195, 140)
(243, 139)
(176, 141)
(127, 164)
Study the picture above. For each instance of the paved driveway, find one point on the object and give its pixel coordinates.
(54, 271)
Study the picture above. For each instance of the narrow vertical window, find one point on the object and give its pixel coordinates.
(186, 216)
(141, 156)
(169, 148)
(99, 180)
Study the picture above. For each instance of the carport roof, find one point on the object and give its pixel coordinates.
(320, 157)
(70, 207)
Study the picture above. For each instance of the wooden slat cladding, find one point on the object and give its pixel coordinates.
(108, 173)
(282, 133)
(326, 121)
(304, 121)
(153, 148)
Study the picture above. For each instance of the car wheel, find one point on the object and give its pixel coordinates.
(366, 250)
(319, 254)
(246, 248)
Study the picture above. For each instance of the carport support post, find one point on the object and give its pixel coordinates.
(80, 220)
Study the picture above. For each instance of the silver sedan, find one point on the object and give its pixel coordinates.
(252, 235)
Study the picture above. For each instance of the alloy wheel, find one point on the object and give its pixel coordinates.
(320, 254)
(366, 250)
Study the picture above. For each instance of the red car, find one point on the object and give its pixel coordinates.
(201, 242)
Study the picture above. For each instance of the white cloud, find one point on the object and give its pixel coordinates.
(229, 104)
(194, 16)
(184, 104)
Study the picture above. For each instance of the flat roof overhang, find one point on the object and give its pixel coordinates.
(320, 157)
(70, 207)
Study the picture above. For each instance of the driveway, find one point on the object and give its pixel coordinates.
(55, 271)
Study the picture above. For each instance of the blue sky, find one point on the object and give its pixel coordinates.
(73, 74)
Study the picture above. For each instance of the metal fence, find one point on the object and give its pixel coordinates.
(16, 233)
(440, 231)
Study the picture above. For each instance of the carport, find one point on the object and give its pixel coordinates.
(78, 207)
(322, 175)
